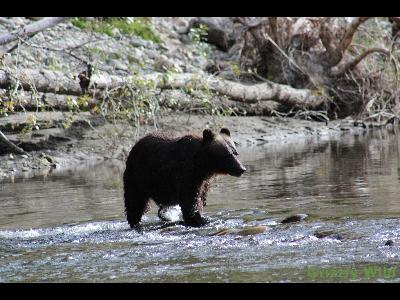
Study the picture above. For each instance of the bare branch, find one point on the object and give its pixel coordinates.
(14, 148)
(352, 64)
(30, 29)
(336, 55)
(348, 36)
(274, 33)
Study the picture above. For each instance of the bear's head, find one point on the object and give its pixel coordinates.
(221, 153)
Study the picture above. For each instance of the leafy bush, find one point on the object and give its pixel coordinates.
(138, 26)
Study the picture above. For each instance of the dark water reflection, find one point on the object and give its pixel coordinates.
(71, 226)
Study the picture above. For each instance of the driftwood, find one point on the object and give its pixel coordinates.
(59, 83)
(30, 29)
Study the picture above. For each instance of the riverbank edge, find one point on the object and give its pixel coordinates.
(94, 145)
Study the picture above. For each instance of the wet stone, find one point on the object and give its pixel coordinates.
(294, 218)
(252, 230)
(328, 234)
(224, 231)
(243, 232)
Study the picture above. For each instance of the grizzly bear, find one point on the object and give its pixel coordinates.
(177, 170)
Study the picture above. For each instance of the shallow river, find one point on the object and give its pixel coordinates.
(70, 227)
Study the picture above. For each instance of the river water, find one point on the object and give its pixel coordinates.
(70, 227)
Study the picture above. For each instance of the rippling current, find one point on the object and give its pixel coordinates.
(70, 227)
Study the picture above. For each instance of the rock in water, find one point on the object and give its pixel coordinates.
(294, 218)
(224, 231)
(252, 230)
(329, 234)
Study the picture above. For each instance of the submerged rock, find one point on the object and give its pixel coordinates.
(224, 231)
(294, 218)
(328, 233)
(253, 230)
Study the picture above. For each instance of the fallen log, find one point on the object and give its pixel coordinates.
(56, 82)
(30, 29)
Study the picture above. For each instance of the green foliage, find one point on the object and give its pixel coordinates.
(135, 101)
(138, 26)
(68, 122)
(236, 69)
(6, 106)
(198, 36)
(31, 123)
(83, 102)
(79, 104)
(81, 23)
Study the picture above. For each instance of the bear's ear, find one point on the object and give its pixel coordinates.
(225, 131)
(208, 135)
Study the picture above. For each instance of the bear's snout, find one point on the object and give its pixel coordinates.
(240, 171)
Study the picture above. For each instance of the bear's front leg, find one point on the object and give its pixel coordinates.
(191, 215)
(194, 219)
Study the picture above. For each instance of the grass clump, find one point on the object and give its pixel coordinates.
(137, 26)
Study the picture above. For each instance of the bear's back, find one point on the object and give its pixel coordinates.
(164, 152)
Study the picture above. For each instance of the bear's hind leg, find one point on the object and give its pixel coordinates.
(135, 207)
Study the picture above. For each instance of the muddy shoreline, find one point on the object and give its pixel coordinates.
(90, 141)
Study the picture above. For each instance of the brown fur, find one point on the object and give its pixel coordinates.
(176, 170)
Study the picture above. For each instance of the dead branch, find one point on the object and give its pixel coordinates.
(274, 33)
(348, 36)
(336, 54)
(30, 29)
(14, 148)
(352, 64)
